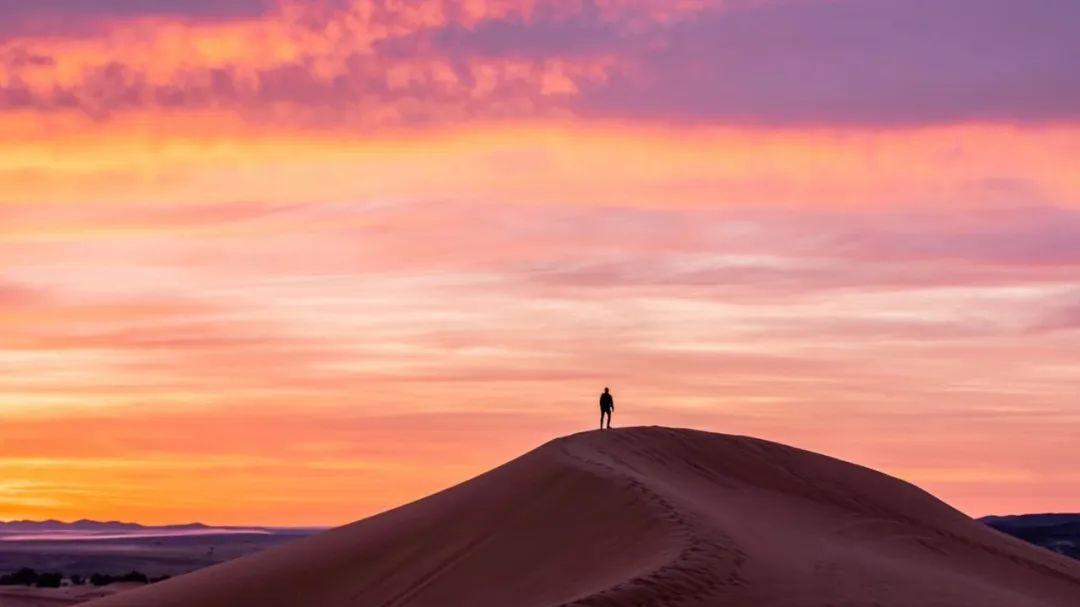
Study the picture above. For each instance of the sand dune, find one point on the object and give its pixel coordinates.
(648, 516)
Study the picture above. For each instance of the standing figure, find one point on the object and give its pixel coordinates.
(607, 405)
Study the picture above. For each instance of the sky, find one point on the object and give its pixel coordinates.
(297, 262)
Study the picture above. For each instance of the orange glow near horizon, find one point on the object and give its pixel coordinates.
(320, 348)
(213, 159)
(272, 269)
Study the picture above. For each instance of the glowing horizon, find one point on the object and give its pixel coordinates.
(294, 263)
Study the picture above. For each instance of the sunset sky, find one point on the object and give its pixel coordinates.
(295, 262)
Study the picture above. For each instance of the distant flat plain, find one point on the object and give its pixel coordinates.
(116, 549)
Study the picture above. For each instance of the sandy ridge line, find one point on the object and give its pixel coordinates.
(688, 578)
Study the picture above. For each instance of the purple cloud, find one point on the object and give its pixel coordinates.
(127, 8)
(799, 62)
(33, 17)
(858, 61)
(543, 37)
(844, 61)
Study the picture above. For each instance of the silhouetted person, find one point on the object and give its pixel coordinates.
(607, 405)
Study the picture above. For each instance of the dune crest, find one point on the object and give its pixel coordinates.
(648, 516)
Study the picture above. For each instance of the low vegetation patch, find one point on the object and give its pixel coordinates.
(29, 577)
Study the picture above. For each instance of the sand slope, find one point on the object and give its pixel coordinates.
(648, 516)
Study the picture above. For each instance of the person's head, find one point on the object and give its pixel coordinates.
(605, 389)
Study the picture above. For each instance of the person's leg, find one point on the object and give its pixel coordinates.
(609, 419)
(602, 418)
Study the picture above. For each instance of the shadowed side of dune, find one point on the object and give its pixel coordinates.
(648, 516)
(541, 526)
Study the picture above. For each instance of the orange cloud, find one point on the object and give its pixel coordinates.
(215, 160)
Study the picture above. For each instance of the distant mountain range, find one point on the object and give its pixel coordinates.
(85, 547)
(1057, 532)
(87, 525)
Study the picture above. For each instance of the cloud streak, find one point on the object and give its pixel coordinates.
(742, 320)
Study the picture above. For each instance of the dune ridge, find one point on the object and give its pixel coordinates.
(648, 516)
